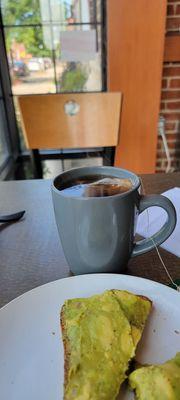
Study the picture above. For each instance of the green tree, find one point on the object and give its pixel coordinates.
(73, 78)
(21, 12)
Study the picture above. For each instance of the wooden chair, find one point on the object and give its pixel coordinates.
(70, 121)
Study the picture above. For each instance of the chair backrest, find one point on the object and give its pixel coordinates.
(70, 120)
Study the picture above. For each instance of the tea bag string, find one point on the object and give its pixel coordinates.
(157, 250)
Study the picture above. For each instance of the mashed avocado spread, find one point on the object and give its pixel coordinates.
(100, 337)
(157, 382)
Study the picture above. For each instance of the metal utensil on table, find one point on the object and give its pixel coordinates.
(12, 217)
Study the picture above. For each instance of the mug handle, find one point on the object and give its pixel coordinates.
(159, 237)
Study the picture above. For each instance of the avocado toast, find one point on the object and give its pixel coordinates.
(157, 382)
(100, 336)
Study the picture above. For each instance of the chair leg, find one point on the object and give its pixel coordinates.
(63, 168)
(36, 164)
(108, 156)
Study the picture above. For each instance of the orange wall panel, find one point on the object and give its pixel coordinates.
(135, 35)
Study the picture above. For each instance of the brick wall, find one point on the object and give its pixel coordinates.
(170, 98)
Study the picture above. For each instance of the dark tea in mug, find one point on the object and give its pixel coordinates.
(96, 186)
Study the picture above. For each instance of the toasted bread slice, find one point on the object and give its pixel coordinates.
(157, 382)
(100, 335)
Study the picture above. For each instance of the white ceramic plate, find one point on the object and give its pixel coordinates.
(31, 351)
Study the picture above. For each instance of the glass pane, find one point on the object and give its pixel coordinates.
(74, 11)
(29, 53)
(25, 12)
(3, 135)
(20, 12)
(99, 4)
(78, 58)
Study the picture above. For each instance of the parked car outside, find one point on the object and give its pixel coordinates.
(20, 69)
(36, 64)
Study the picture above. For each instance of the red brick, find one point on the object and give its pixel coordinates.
(174, 153)
(173, 23)
(175, 164)
(160, 169)
(171, 116)
(158, 164)
(174, 105)
(170, 95)
(171, 71)
(175, 94)
(170, 126)
(163, 105)
(173, 136)
(162, 165)
(161, 154)
(164, 83)
(175, 83)
(172, 145)
(177, 9)
(171, 9)
(173, 150)
(164, 161)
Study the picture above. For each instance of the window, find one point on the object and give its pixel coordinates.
(53, 45)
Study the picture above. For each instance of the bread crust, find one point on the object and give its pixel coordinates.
(66, 346)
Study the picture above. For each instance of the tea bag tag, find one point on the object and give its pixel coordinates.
(107, 187)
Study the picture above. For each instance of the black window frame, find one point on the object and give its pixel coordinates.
(12, 137)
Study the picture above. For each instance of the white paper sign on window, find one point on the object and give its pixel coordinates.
(78, 45)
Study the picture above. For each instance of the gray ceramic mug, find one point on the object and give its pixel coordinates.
(97, 233)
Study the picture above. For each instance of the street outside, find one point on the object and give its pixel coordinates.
(38, 82)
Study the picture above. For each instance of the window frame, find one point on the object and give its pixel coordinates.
(11, 136)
